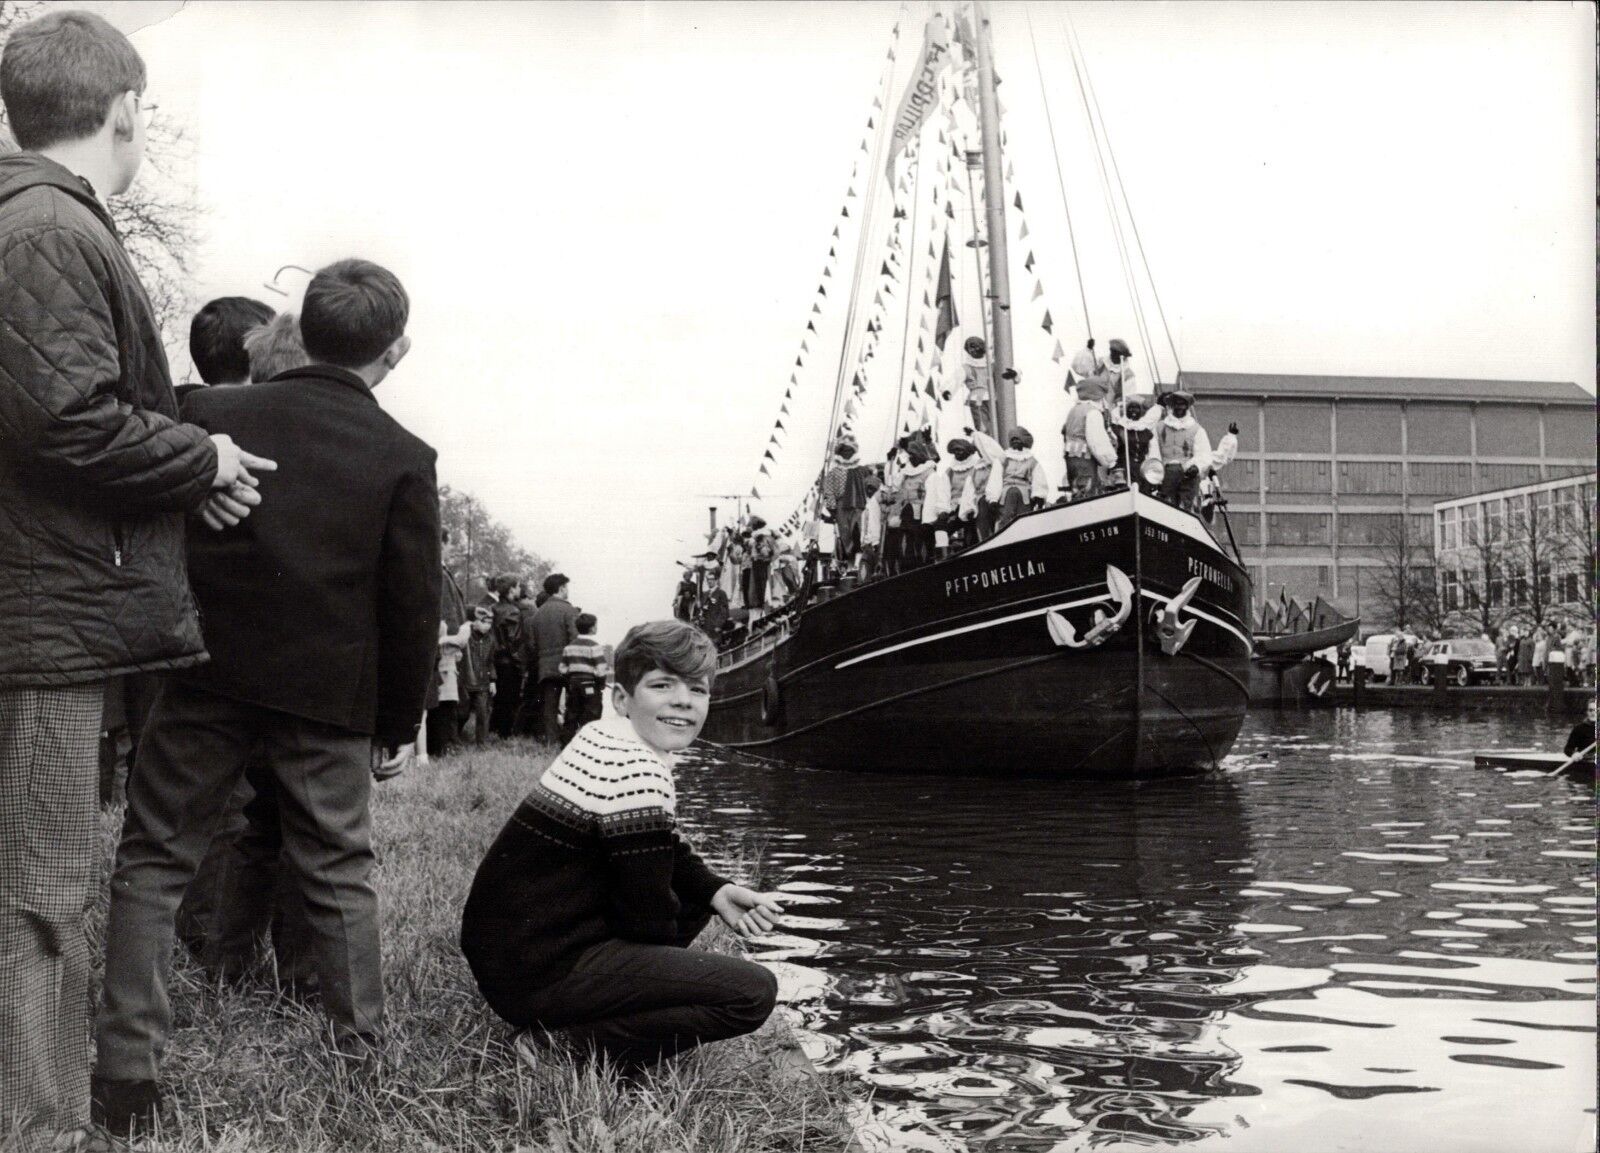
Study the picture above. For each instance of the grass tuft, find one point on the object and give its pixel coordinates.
(249, 1069)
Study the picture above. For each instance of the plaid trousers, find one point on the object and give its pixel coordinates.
(49, 861)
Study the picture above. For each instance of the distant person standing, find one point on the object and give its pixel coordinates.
(97, 475)
(1524, 660)
(322, 622)
(507, 618)
(586, 668)
(1541, 654)
(477, 674)
(555, 626)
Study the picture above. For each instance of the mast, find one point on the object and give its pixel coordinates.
(994, 202)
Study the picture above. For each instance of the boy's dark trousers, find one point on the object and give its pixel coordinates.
(508, 694)
(585, 703)
(636, 1004)
(550, 709)
(190, 761)
(530, 709)
(477, 707)
(444, 721)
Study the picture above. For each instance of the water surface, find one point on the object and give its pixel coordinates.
(1349, 938)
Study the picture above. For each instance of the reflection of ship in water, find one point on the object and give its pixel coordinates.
(1051, 977)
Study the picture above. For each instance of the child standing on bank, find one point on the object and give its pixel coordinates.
(585, 669)
(582, 912)
(477, 673)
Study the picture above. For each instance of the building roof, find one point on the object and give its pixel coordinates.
(1513, 490)
(1384, 388)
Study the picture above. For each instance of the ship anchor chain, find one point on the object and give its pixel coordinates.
(1119, 592)
(1173, 635)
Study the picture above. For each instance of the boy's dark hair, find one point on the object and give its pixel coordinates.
(554, 583)
(503, 584)
(671, 646)
(587, 622)
(216, 338)
(60, 73)
(352, 312)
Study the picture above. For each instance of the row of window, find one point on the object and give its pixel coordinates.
(1316, 528)
(1547, 513)
(1363, 478)
(1516, 591)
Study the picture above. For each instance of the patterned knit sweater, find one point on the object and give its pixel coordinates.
(592, 853)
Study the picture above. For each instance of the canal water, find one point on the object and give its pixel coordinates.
(1347, 939)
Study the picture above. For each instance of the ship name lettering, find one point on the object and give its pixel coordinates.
(1211, 573)
(989, 578)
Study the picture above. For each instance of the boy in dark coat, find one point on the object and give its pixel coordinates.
(96, 476)
(322, 620)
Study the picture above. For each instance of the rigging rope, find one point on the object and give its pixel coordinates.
(883, 119)
(1055, 150)
(1133, 223)
(911, 270)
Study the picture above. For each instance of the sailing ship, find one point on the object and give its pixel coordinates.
(1108, 637)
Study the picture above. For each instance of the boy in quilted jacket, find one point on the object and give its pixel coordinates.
(97, 474)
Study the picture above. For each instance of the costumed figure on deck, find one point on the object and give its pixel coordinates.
(975, 362)
(889, 498)
(1118, 375)
(873, 519)
(916, 512)
(959, 492)
(1185, 451)
(1089, 451)
(1132, 433)
(844, 498)
(1018, 482)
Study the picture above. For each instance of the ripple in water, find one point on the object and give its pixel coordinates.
(1309, 945)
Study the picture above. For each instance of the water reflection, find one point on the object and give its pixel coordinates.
(1350, 930)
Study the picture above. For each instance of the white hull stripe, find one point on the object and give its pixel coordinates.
(1102, 598)
(928, 640)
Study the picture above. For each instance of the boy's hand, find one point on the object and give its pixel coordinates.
(234, 463)
(226, 507)
(388, 763)
(746, 911)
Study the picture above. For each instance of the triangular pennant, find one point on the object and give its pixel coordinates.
(929, 388)
(1023, 233)
(798, 363)
(1058, 353)
(764, 471)
(768, 456)
(754, 493)
(779, 425)
(932, 251)
(831, 253)
(1010, 172)
(816, 307)
(784, 411)
(949, 210)
(927, 301)
(1038, 290)
(835, 236)
(849, 192)
(845, 211)
(827, 272)
(1028, 263)
(1048, 324)
(1018, 202)
(920, 346)
(811, 327)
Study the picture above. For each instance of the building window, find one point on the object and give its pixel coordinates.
(1449, 531)
(1519, 590)
(1299, 476)
(1494, 512)
(1364, 477)
(1421, 531)
(1441, 479)
(1242, 476)
(1569, 586)
(1299, 528)
(1368, 528)
(1451, 589)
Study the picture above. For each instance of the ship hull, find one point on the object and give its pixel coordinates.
(991, 662)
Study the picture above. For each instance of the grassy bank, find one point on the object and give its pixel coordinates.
(248, 1069)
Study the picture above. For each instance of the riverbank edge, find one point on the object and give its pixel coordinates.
(249, 1068)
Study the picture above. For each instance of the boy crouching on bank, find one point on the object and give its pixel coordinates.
(582, 913)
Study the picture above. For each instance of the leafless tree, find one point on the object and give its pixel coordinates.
(1404, 587)
(480, 547)
(1534, 550)
(157, 217)
(1483, 566)
(1574, 530)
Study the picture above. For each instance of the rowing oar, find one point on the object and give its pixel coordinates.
(1572, 760)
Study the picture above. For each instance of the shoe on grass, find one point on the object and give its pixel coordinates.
(529, 1045)
(125, 1108)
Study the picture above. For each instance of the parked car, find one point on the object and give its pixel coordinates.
(1463, 660)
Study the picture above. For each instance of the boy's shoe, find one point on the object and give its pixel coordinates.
(90, 1139)
(125, 1108)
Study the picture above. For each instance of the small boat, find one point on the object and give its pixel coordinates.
(1297, 645)
(1537, 762)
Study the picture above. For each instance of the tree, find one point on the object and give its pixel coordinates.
(1534, 550)
(1403, 581)
(156, 217)
(479, 547)
(1574, 531)
(1480, 574)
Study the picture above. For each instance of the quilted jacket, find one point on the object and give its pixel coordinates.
(96, 471)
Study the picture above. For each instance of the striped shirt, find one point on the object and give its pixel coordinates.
(585, 657)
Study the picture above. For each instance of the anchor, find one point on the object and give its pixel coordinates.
(1119, 591)
(1174, 636)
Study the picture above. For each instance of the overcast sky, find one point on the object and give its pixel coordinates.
(612, 219)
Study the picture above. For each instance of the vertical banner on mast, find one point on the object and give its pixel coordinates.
(922, 90)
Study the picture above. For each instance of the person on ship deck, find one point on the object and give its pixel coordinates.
(1184, 449)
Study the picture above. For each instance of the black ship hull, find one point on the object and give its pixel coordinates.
(1108, 638)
